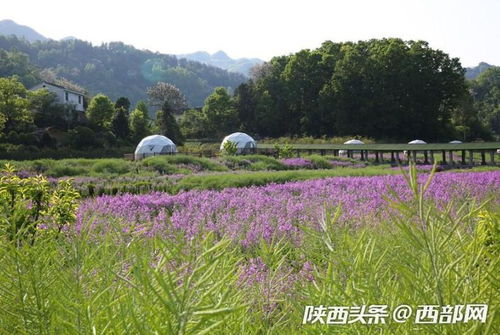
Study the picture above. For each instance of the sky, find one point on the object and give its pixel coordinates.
(467, 29)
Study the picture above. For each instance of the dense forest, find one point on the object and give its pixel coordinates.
(116, 69)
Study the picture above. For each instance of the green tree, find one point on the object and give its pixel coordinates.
(100, 111)
(220, 113)
(486, 94)
(193, 124)
(139, 121)
(123, 102)
(120, 123)
(47, 112)
(14, 105)
(16, 63)
(167, 124)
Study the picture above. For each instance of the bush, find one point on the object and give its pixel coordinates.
(111, 166)
(229, 148)
(247, 161)
(65, 171)
(29, 202)
(159, 164)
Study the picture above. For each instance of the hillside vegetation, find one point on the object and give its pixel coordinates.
(116, 69)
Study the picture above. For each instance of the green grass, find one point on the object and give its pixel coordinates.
(217, 182)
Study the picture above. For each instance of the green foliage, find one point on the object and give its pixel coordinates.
(218, 182)
(119, 70)
(486, 94)
(283, 151)
(27, 203)
(14, 105)
(167, 124)
(82, 137)
(221, 116)
(47, 112)
(159, 164)
(15, 63)
(100, 111)
(229, 148)
(193, 124)
(253, 162)
(139, 121)
(111, 166)
(387, 88)
(120, 123)
(123, 102)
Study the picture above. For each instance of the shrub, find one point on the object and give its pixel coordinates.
(229, 148)
(62, 170)
(159, 164)
(27, 203)
(111, 166)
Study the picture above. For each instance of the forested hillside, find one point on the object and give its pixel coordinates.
(116, 69)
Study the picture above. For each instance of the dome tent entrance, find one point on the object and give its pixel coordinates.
(244, 142)
(154, 145)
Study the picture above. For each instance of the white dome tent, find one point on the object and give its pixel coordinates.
(353, 141)
(154, 145)
(417, 142)
(244, 142)
(455, 142)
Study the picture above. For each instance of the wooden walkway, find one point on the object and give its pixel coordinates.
(400, 153)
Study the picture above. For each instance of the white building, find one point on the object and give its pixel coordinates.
(64, 95)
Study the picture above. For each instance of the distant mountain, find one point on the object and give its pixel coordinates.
(222, 60)
(9, 27)
(473, 72)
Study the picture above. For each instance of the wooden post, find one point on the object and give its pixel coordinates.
(392, 157)
(444, 156)
(451, 157)
(382, 157)
(414, 156)
(376, 156)
(426, 158)
(431, 156)
(492, 157)
(362, 155)
(397, 157)
(483, 157)
(471, 157)
(463, 157)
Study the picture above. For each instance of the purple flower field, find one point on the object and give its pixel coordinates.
(247, 215)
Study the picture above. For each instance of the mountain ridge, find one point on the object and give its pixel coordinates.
(9, 27)
(222, 60)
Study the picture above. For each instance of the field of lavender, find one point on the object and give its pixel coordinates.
(248, 260)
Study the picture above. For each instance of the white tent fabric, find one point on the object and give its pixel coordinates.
(354, 142)
(243, 142)
(456, 142)
(154, 145)
(343, 152)
(417, 142)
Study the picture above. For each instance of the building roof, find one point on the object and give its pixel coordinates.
(63, 87)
